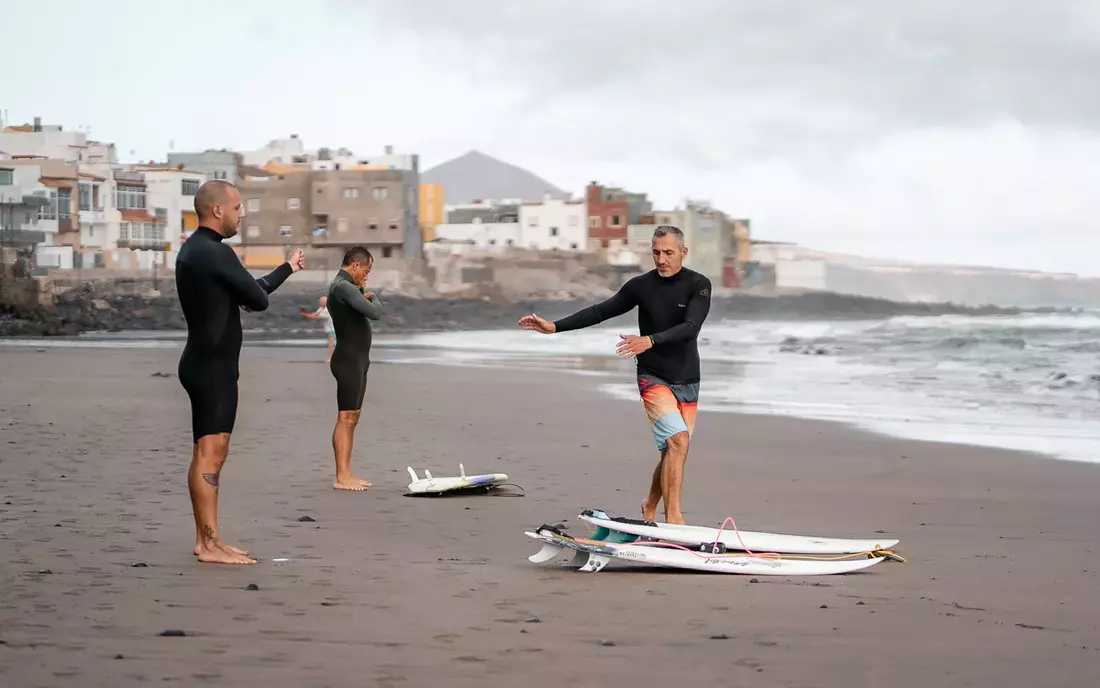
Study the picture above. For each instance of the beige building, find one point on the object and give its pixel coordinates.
(332, 209)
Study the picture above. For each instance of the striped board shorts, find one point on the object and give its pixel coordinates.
(670, 407)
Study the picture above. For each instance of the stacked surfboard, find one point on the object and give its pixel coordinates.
(707, 549)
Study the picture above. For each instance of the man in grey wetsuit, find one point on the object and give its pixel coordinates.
(351, 310)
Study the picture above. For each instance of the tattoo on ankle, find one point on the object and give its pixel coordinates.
(212, 478)
(208, 534)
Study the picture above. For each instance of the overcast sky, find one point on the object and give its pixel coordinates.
(961, 131)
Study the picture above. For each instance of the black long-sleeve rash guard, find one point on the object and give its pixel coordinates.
(212, 284)
(671, 310)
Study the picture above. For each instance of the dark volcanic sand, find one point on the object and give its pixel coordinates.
(385, 590)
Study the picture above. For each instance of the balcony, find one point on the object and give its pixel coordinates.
(144, 244)
(93, 217)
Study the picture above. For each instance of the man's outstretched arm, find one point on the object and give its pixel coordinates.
(274, 279)
(246, 289)
(698, 307)
(620, 303)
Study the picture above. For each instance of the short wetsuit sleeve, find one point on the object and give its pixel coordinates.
(349, 294)
(698, 307)
(246, 289)
(620, 303)
(274, 279)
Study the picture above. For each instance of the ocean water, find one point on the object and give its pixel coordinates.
(1028, 382)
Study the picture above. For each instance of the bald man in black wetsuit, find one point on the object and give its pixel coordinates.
(351, 310)
(213, 286)
(673, 301)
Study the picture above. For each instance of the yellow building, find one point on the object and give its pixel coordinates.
(431, 209)
(742, 240)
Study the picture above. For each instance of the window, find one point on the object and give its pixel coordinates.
(372, 225)
(351, 192)
(393, 224)
(573, 246)
(253, 205)
(285, 231)
(253, 231)
(293, 203)
(64, 203)
(190, 187)
(84, 196)
(342, 224)
(616, 220)
(387, 251)
(594, 221)
(381, 193)
(124, 230)
(153, 233)
(553, 231)
(129, 197)
(510, 242)
(162, 215)
(221, 174)
(7, 177)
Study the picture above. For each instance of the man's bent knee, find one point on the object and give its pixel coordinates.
(679, 442)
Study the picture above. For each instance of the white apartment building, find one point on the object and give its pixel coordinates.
(171, 200)
(554, 224)
(481, 234)
(81, 199)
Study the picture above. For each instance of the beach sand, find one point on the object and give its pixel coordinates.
(1000, 588)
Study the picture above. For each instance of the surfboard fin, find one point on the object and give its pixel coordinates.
(462, 471)
(413, 474)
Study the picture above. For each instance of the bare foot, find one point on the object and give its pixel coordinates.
(354, 484)
(675, 519)
(217, 553)
(226, 545)
(649, 511)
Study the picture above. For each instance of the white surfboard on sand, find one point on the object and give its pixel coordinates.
(735, 540)
(600, 553)
(432, 485)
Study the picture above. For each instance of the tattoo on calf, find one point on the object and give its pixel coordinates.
(211, 478)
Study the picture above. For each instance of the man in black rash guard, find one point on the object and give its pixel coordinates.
(213, 286)
(351, 310)
(673, 301)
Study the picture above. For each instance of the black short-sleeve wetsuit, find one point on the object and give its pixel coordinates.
(351, 313)
(671, 310)
(212, 284)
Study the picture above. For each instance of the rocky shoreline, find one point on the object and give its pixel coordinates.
(88, 309)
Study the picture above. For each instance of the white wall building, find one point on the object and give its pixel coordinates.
(481, 234)
(282, 151)
(170, 197)
(554, 224)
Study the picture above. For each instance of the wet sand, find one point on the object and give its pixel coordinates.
(386, 590)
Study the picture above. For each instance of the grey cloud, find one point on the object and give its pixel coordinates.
(938, 62)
